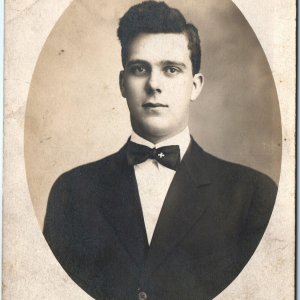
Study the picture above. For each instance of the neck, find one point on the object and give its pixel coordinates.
(155, 139)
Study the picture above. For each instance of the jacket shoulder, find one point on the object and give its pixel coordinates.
(235, 171)
(103, 168)
(76, 188)
(259, 187)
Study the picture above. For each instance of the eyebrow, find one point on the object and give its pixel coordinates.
(164, 63)
(137, 62)
(173, 63)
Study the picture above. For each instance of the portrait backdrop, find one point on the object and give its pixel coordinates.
(75, 112)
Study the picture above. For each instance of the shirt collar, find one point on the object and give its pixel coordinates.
(181, 139)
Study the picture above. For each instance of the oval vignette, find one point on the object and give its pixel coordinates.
(75, 113)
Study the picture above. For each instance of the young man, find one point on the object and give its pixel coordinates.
(160, 219)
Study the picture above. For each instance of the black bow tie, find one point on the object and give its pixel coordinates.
(168, 156)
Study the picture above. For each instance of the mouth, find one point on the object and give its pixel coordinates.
(153, 105)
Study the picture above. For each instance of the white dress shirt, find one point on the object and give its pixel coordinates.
(154, 179)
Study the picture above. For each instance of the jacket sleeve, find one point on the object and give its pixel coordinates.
(57, 223)
(64, 235)
(258, 215)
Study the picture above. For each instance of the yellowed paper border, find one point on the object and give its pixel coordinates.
(30, 269)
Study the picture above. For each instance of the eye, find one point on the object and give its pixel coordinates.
(138, 70)
(171, 70)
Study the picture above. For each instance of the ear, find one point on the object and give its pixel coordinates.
(198, 82)
(122, 84)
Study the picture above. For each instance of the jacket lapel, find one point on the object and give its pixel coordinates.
(123, 210)
(184, 204)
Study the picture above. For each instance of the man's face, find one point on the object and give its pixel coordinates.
(158, 84)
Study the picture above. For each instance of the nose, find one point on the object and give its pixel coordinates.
(154, 83)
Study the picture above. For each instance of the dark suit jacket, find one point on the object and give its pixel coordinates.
(212, 219)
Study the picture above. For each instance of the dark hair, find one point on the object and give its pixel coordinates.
(158, 17)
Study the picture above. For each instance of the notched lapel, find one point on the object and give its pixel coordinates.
(186, 201)
(123, 211)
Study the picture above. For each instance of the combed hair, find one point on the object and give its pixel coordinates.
(158, 17)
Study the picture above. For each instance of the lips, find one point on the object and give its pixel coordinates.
(152, 105)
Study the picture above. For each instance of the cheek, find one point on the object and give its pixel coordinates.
(182, 88)
(181, 111)
(181, 93)
(182, 98)
(134, 95)
(134, 87)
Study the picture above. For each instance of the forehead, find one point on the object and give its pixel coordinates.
(155, 47)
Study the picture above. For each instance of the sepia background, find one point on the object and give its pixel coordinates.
(75, 114)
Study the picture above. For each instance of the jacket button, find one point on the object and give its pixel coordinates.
(142, 296)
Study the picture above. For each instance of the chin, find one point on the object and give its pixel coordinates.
(157, 130)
